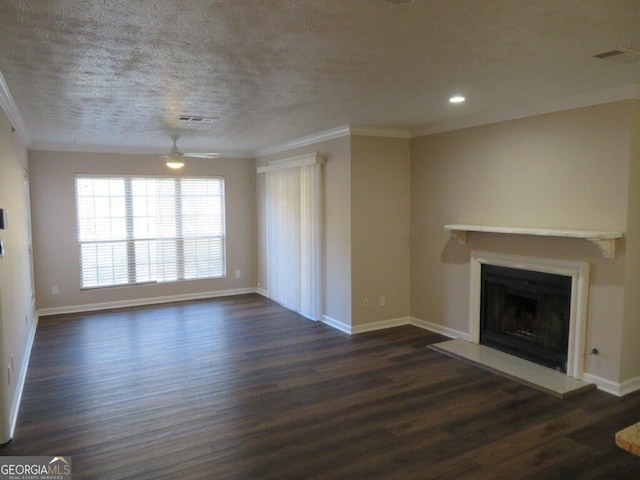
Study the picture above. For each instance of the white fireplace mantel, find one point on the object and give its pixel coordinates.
(605, 241)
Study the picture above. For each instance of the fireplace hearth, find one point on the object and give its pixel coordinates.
(526, 314)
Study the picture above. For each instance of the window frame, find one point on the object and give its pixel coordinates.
(133, 265)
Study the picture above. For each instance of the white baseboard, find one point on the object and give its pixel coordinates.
(263, 292)
(603, 384)
(91, 307)
(614, 388)
(442, 330)
(371, 327)
(367, 327)
(394, 322)
(332, 322)
(22, 376)
(629, 386)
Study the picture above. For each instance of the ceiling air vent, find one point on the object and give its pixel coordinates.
(620, 55)
(195, 120)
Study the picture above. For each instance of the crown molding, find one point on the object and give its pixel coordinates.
(80, 148)
(304, 141)
(381, 132)
(528, 110)
(121, 150)
(338, 132)
(11, 111)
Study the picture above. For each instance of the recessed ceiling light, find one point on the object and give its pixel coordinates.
(457, 99)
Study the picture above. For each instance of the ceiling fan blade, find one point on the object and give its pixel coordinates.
(175, 158)
(202, 155)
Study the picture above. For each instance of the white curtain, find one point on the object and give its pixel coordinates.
(293, 222)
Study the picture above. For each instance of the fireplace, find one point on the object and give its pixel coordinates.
(537, 308)
(526, 313)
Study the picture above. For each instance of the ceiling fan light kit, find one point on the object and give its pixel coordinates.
(174, 162)
(175, 158)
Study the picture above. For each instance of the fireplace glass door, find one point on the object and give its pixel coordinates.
(526, 313)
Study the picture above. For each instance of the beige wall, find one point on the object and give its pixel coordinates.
(561, 170)
(17, 314)
(336, 258)
(366, 227)
(55, 234)
(380, 220)
(631, 328)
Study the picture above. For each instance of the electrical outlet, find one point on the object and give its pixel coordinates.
(382, 301)
(54, 289)
(366, 302)
(238, 273)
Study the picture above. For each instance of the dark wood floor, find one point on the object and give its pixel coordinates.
(241, 388)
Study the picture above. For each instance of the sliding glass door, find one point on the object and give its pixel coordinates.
(293, 235)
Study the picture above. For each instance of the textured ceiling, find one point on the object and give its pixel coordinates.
(117, 73)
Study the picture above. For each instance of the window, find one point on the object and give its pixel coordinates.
(134, 230)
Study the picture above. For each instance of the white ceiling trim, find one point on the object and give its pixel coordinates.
(13, 114)
(121, 150)
(338, 132)
(381, 132)
(304, 141)
(530, 110)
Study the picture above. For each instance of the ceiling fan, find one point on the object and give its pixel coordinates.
(175, 158)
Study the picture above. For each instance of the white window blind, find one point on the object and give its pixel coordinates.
(293, 233)
(135, 230)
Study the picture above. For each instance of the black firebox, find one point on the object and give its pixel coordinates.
(526, 313)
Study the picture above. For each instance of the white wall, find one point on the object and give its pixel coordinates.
(55, 233)
(17, 315)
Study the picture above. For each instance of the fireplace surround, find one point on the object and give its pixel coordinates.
(525, 298)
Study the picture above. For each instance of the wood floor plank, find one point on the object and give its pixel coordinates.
(241, 388)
